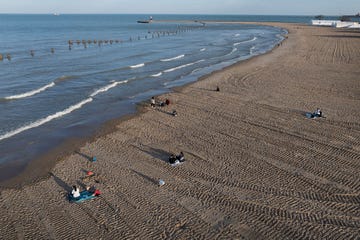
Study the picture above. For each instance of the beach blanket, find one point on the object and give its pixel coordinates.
(84, 195)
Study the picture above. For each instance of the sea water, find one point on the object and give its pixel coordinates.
(67, 75)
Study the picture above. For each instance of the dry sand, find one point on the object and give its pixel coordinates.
(256, 167)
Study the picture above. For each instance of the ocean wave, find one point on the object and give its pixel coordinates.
(232, 51)
(157, 75)
(138, 65)
(30, 93)
(182, 66)
(46, 119)
(172, 59)
(251, 40)
(237, 35)
(106, 88)
(203, 49)
(252, 49)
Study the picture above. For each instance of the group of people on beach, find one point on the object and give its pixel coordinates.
(153, 104)
(160, 104)
(90, 191)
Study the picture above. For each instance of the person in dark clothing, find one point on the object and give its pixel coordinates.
(172, 159)
(180, 157)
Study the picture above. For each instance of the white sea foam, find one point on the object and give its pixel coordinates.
(46, 119)
(107, 87)
(251, 40)
(203, 49)
(182, 66)
(138, 65)
(252, 49)
(237, 35)
(30, 93)
(172, 59)
(232, 51)
(157, 75)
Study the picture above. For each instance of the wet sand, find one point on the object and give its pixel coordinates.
(256, 167)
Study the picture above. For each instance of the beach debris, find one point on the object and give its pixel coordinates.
(161, 182)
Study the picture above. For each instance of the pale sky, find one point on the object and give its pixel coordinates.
(261, 7)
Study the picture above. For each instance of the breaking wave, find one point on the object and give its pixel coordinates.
(157, 74)
(30, 93)
(251, 40)
(46, 119)
(172, 59)
(138, 65)
(182, 66)
(106, 88)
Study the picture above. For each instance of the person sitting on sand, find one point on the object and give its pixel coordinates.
(75, 192)
(167, 101)
(180, 157)
(318, 113)
(152, 102)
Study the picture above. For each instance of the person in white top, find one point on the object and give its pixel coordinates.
(75, 192)
(318, 113)
(152, 101)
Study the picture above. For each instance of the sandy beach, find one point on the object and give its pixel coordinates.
(256, 167)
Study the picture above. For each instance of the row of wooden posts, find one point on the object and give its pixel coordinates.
(100, 42)
(32, 53)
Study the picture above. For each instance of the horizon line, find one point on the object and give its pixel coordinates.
(216, 14)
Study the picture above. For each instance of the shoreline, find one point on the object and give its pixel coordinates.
(31, 172)
(256, 167)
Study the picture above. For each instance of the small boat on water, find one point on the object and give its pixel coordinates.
(145, 21)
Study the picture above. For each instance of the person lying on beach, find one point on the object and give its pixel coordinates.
(174, 113)
(75, 192)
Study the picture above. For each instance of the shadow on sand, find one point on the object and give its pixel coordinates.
(155, 153)
(61, 183)
(162, 111)
(84, 156)
(147, 178)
